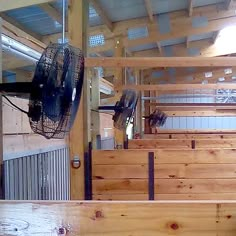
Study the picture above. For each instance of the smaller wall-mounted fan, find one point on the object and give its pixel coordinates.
(157, 118)
(55, 90)
(124, 109)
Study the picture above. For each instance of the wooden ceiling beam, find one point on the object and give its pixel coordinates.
(6, 5)
(21, 36)
(203, 48)
(148, 6)
(190, 7)
(215, 36)
(148, 62)
(102, 14)
(217, 20)
(179, 87)
(19, 26)
(52, 12)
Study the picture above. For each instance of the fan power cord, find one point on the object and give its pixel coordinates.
(14, 105)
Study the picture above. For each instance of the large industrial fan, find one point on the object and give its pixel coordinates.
(124, 109)
(55, 90)
(157, 118)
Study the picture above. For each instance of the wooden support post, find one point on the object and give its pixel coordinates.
(95, 117)
(1, 130)
(118, 81)
(151, 177)
(138, 112)
(147, 128)
(78, 139)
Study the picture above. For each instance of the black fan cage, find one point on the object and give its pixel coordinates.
(157, 118)
(124, 109)
(57, 87)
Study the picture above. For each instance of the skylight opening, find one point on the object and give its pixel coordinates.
(227, 37)
(96, 40)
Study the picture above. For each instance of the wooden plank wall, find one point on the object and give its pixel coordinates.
(179, 143)
(190, 136)
(187, 218)
(178, 174)
(18, 138)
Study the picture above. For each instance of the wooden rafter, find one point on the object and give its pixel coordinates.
(16, 25)
(102, 14)
(119, 62)
(205, 48)
(6, 5)
(52, 12)
(215, 36)
(148, 6)
(187, 42)
(22, 36)
(217, 20)
(159, 47)
(190, 7)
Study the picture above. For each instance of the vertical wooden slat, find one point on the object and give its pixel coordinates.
(95, 102)
(151, 184)
(118, 81)
(78, 11)
(88, 173)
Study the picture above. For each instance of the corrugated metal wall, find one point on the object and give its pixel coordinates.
(44, 176)
(107, 143)
(195, 122)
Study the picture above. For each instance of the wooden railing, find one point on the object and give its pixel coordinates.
(201, 143)
(118, 218)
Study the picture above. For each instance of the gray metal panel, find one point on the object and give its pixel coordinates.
(123, 9)
(201, 36)
(36, 20)
(44, 176)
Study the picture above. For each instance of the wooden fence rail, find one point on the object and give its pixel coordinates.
(187, 218)
(181, 143)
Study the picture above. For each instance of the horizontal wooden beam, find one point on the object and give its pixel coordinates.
(20, 145)
(121, 218)
(196, 131)
(6, 5)
(200, 113)
(181, 106)
(190, 136)
(150, 144)
(179, 87)
(161, 62)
